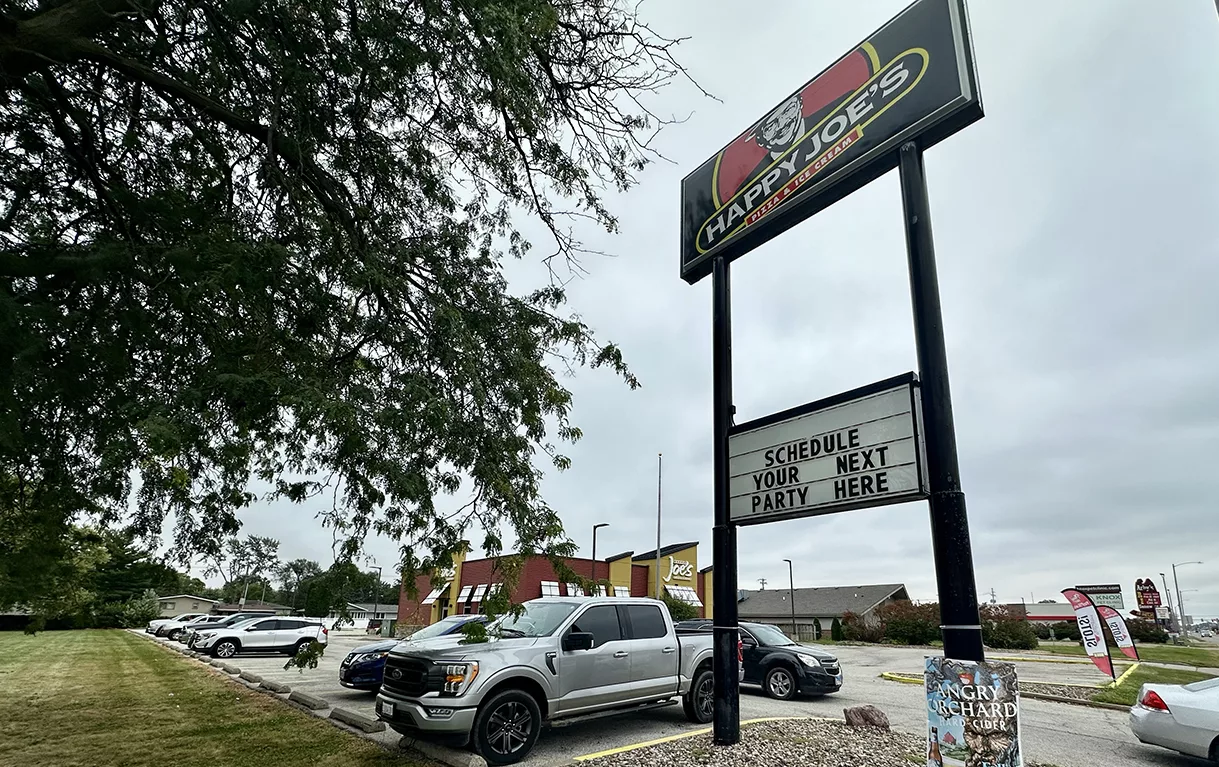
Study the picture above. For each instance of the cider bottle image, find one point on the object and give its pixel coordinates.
(934, 759)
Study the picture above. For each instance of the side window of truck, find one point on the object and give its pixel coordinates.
(601, 622)
(646, 621)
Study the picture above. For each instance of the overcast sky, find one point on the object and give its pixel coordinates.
(1075, 232)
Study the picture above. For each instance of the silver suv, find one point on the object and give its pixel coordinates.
(273, 634)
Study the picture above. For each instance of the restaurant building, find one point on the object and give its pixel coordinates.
(466, 587)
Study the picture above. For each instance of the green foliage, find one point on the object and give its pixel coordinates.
(1067, 630)
(1146, 631)
(307, 657)
(249, 241)
(856, 628)
(907, 623)
(816, 628)
(836, 632)
(1005, 629)
(681, 611)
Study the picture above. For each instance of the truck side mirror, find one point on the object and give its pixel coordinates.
(577, 640)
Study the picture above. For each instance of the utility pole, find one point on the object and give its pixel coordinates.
(1173, 623)
(791, 590)
(763, 582)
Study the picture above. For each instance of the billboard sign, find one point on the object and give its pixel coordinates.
(857, 449)
(1109, 594)
(1146, 593)
(912, 78)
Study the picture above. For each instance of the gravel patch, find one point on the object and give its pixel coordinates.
(1059, 690)
(783, 744)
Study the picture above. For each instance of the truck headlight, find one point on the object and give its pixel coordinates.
(458, 677)
(810, 660)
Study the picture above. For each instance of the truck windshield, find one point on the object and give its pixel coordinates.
(769, 636)
(539, 619)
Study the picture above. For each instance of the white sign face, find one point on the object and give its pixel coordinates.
(863, 448)
(679, 569)
(1163, 613)
(1109, 594)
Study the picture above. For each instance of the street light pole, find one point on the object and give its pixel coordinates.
(791, 587)
(659, 477)
(1180, 601)
(1172, 611)
(594, 568)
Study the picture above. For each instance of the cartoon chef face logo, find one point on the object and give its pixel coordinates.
(780, 129)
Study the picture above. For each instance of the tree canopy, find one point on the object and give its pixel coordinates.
(252, 245)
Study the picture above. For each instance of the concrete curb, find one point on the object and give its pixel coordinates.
(359, 721)
(274, 686)
(452, 757)
(251, 677)
(215, 662)
(311, 702)
(230, 669)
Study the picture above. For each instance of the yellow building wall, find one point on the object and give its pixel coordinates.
(670, 571)
(708, 595)
(620, 572)
(454, 588)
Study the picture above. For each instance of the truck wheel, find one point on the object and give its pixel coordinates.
(699, 702)
(780, 683)
(506, 727)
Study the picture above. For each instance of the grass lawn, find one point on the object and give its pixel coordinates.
(111, 698)
(1126, 693)
(1153, 653)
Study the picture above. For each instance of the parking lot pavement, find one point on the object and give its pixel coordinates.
(1052, 732)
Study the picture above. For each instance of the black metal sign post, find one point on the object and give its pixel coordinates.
(727, 721)
(954, 571)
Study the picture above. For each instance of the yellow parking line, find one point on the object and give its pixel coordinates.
(695, 733)
(1125, 674)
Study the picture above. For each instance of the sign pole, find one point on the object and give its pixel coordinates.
(727, 719)
(954, 572)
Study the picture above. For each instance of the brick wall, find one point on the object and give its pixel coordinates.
(639, 581)
(409, 610)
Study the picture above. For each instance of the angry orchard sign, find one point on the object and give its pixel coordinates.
(858, 449)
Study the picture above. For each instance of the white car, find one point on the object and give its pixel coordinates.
(1183, 718)
(183, 618)
(273, 634)
(175, 629)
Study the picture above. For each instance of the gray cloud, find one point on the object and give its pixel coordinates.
(1078, 264)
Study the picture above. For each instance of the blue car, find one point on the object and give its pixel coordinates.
(363, 666)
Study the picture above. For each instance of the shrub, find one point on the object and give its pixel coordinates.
(1066, 630)
(1004, 629)
(1042, 630)
(816, 628)
(836, 632)
(1146, 631)
(905, 622)
(856, 629)
(679, 610)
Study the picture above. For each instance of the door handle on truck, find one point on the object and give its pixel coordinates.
(667, 650)
(620, 654)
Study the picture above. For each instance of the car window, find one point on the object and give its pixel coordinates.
(601, 622)
(266, 626)
(440, 628)
(769, 636)
(645, 621)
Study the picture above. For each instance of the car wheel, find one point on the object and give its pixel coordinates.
(173, 635)
(780, 683)
(699, 702)
(506, 727)
(226, 649)
(301, 645)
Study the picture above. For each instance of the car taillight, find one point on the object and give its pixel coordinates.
(325, 631)
(1152, 700)
(740, 657)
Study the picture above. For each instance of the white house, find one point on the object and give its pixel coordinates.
(184, 603)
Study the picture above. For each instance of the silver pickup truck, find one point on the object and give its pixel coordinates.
(562, 660)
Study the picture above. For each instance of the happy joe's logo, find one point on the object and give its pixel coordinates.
(798, 154)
